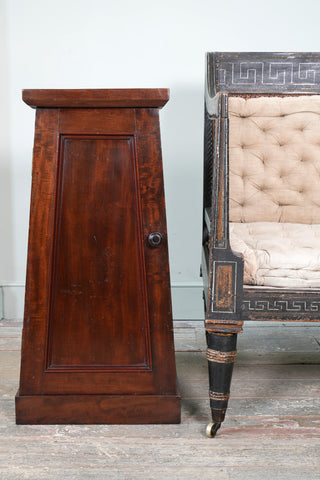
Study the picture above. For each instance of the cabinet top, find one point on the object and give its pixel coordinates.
(96, 98)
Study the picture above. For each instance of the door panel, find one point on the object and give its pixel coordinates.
(98, 260)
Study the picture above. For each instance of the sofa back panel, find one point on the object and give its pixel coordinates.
(274, 155)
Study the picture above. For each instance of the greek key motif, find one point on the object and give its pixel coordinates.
(281, 305)
(236, 73)
(269, 73)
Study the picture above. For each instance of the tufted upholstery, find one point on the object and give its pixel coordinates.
(274, 153)
(278, 254)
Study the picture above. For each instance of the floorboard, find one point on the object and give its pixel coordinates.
(272, 428)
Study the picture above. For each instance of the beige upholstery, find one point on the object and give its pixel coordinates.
(274, 176)
(274, 153)
(278, 254)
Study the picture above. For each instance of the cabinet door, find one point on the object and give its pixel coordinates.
(98, 309)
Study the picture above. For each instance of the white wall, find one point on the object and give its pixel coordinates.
(126, 43)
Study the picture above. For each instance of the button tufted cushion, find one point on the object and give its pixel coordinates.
(274, 154)
(265, 247)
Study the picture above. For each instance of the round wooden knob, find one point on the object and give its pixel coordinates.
(155, 239)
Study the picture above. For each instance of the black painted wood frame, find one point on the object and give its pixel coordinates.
(228, 303)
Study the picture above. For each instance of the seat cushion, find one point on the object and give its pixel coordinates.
(278, 254)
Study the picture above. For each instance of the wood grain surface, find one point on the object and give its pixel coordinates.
(97, 339)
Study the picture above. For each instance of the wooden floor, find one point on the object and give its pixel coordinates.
(272, 430)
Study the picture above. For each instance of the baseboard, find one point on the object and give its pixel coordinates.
(1, 304)
(187, 300)
(12, 300)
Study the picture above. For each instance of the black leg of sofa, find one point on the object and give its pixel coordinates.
(221, 354)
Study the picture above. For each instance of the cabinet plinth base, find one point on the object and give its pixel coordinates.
(97, 409)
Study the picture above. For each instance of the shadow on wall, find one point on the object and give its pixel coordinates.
(182, 146)
(6, 171)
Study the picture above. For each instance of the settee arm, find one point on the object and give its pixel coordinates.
(216, 106)
(216, 101)
(225, 268)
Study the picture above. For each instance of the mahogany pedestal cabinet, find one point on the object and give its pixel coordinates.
(97, 343)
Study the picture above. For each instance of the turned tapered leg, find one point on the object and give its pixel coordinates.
(221, 354)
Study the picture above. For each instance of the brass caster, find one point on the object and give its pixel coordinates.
(212, 429)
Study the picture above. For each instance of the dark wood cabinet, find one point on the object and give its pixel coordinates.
(97, 341)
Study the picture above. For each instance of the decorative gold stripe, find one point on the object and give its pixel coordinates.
(219, 396)
(221, 357)
(223, 327)
(220, 334)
